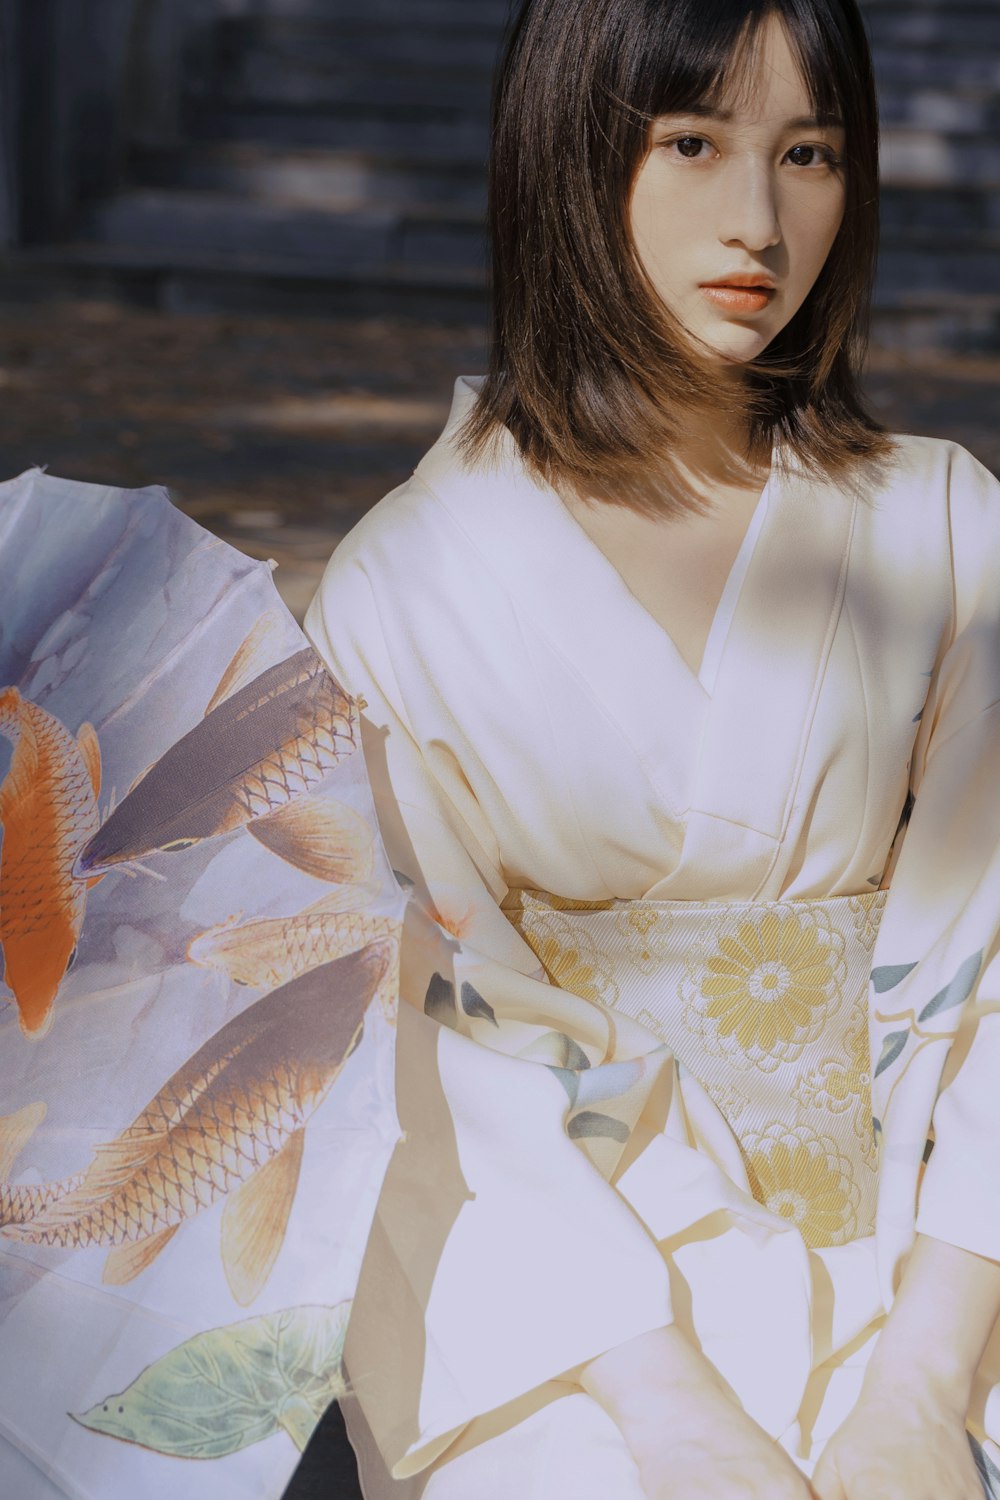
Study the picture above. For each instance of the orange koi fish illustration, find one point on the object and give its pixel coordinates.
(230, 1121)
(260, 747)
(48, 808)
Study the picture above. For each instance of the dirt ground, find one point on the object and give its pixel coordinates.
(278, 434)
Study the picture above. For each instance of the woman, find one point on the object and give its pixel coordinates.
(683, 704)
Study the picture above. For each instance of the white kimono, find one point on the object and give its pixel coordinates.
(545, 762)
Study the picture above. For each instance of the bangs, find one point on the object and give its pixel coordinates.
(701, 55)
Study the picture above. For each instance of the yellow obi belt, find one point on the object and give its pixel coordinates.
(766, 1005)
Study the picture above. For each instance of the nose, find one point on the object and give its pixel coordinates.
(749, 209)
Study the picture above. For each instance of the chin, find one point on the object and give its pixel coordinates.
(739, 349)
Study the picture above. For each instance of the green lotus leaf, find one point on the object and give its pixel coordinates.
(225, 1389)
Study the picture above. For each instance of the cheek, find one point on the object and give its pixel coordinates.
(811, 230)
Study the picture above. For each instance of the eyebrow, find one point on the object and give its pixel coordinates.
(802, 122)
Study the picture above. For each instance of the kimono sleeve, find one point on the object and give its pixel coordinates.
(500, 1256)
(937, 975)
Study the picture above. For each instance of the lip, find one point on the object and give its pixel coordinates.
(740, 295)
(758, 280)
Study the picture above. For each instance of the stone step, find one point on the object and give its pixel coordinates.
(964, 111)
(956, 28)
(313, 177)
(424, 133)
(958, 212)
(938, 6)
(265, 44)
(270, 81)
(208, 228)
(933, 158)
(897, 66)
(958, 326)
(490, 15)
(178, 281)
(930, 269)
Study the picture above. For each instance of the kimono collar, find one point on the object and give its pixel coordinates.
(734, 756)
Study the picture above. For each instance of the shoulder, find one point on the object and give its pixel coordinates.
(939, 469)
(427, 524)
(422, 574)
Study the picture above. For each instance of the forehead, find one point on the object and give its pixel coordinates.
(763, 76)
(767, 73)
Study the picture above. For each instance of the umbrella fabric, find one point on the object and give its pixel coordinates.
(200, 936)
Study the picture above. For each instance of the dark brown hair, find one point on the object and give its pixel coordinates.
(588, 369)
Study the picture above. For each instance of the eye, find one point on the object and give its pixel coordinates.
(688, 146)
(813, 156)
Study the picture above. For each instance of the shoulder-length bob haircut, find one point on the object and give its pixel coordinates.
(588, 369)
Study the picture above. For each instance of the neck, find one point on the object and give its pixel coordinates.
(712, 453)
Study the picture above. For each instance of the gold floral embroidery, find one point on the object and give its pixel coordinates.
(569, 955)
(844, 1083)
(766, 1005)
(767, 989)
(729, 1100)
(802, 1176)
(646, 931)
(866, 914)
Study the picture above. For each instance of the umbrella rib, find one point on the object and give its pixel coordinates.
(206, 622)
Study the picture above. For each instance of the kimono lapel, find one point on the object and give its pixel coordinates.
(579, 602)
(770, 674)
(725, 767)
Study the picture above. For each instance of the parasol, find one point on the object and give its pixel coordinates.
(200, 938)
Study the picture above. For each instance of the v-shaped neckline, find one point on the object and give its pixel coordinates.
(730, 757)
(727, 604)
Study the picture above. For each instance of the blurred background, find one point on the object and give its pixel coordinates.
(242, 254)
(242, 247)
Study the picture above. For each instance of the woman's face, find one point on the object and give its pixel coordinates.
(751, 193)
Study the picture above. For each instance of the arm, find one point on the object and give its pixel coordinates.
(500, 1256)
(940, 1323)
(940, 1046)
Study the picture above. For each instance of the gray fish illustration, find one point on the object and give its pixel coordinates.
(248, 763)
(230, 1120)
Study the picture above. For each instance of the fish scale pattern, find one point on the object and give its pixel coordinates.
(49, 811)
(300, 764)
(217, 1121)
(22, 1203)
(63, 814)
(221, 1141)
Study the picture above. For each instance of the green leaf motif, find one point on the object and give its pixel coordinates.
(887, 976)
(957, 991)
(891, 1048)
(589, 1122)
(223, 1390)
